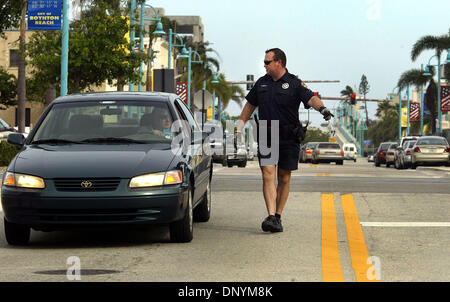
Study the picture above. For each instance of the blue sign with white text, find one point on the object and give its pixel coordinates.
(44, 14)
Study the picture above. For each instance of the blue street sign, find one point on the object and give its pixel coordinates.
(44, 14)
(367, 143)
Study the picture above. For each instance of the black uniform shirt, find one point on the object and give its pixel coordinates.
(279, 100)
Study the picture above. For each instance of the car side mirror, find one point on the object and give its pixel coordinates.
(16, 139)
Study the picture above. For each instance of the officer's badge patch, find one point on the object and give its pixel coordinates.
(285, 86)
(304, 85)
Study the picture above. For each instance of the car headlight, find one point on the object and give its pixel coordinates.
(157, 179)
(23, 181)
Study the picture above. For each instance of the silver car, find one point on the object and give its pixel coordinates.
(328, 152)
(430, 150)
(390, 154)
(403, 156)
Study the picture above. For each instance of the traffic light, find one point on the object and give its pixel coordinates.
(353, 99)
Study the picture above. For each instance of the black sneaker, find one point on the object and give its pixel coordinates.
(278, 227)
(271, 224)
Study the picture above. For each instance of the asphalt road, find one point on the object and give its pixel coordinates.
(337, 218)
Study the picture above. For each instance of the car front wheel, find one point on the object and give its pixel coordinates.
(202, 212)
(16, 234)
(182, 231)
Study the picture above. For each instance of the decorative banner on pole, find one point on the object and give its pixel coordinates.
(414, 112)
(445, 98)
(182, 91)
(44, 14)
(404, 117)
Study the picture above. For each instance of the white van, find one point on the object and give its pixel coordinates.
(350, 151)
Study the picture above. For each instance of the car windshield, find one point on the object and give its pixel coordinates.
(106, 122)
(329, 146)
(4, 125)
(432, 141)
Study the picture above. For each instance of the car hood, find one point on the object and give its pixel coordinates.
(72, 161)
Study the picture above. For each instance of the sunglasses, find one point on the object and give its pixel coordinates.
(268, 62)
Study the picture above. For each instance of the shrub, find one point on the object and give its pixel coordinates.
(7, 153)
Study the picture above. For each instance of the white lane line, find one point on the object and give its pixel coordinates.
(405, 224)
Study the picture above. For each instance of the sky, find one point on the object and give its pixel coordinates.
(323, 40)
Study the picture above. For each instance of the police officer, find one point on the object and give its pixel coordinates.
(277, 95)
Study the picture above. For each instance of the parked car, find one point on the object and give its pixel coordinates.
(86, 165)
(390, 154)
(328, 152)
(406, 139)
(371, 158)
(216, 145)
(306, 152)
(350, 151)
(380, 156)
(403, 155)
(430, 150)
(5, 129)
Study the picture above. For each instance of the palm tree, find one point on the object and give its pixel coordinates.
(438, 44)
(224, 91)
(384, 109)
(416, 77)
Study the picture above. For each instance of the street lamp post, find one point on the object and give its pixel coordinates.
(422, 102)
(171, 34)
(190, 61)
(407, 110)
(159, 31)
(132, 35)
(427, 73)
(214, 81)
(399, 111)
(65, 48)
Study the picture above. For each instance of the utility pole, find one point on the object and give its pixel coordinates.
(21, 84)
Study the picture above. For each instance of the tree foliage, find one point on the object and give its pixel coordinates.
(9, 15)
(8, 89)
(316, 135)
(386, 128)
(98, 50)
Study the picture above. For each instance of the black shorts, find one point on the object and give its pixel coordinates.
(288, 156)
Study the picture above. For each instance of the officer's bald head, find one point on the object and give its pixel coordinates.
(278, 55)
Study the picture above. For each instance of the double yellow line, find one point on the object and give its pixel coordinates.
(331, 264)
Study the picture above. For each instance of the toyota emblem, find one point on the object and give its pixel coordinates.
(86, 184)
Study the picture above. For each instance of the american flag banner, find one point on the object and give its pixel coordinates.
(414, 112)
(182, 91)
(445, 98)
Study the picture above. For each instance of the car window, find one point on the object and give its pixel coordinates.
(149, 122)
(411, 144)
(432, 141)
(329, 146)
(188, 115)
(393, 146)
